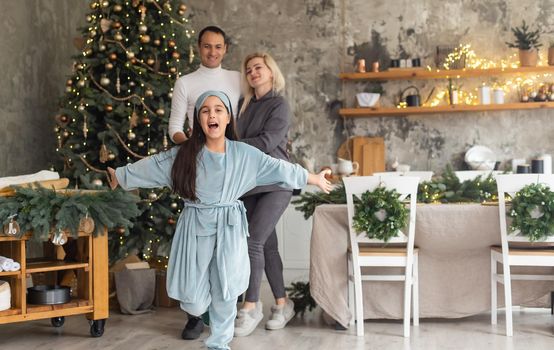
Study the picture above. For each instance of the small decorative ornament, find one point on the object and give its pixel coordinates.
(105, 4)
(108, 108)
(85, 127)
(69, 82)
(170, 94)
(150, 61)
(11, 228)
(130, 54)
(148, 93)
(152, 196)
(81, 83)
(133, 60)
(105, 24)
(93, 5)
(113, 57)
(133, 120)
(120, 231)
(108, 65)
(160, 112)
(146, 120)
(157, 42)
(86, 224)
(175, 55)
(132, 83)
(145, 39)
(182, 7)
(116, 25)
(59, 237)
(152, 151)
(88, 52)
(65, 134)
(117, 8)
(142, 10)
(140, 143)
(135, 3)
(118, 36)
(104, 81)
(103, 156)
(89, 18)
(92, 33)
(81, 108)
(165, 142)
(167, 6)
(173, 70)
(131, 135)
(171, 43)
(111, 156)
(118, 83)
(68, 89)
(101, 47)
(97, 182)
(173, 205)
(171, 221)
(142, 28)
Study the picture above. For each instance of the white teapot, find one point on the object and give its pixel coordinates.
(347, 167)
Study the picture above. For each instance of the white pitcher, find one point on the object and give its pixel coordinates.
(347, 167)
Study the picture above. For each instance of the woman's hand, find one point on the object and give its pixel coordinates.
(112, 179)
(320, 180)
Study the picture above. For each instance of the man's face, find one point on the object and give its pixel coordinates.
(212, 49)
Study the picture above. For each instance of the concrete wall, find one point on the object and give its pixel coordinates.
(313, 41)
(35, 58)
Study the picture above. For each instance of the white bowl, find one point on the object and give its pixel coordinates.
(480, 158)
(367, 99)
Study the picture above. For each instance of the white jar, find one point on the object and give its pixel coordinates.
(498, 96)
(485, 95)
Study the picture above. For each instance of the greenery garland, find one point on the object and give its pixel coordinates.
(380, 214)
(308, 201)
(39, 210)
(532, 212)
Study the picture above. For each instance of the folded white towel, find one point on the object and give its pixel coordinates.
(8, 264)
(5, 296)
(42, 175)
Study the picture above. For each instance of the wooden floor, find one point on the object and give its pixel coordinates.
(533, 330)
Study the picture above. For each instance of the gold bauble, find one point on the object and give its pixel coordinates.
(140, 143)
(89, 19)
(65, 134)
(104, 81)
(150, 61)
(142, 28)
(81, 108)
(130, 54)
(152, 151)
(171, 43)
(108, 108)
(181, 13)
(146, 120)
(116, 25)
(93, 5)
(111, 156)
(157, 42)
(92, 33)
(101, 47)
(170, 95)
(108, 65)
(118, 36)
(133, 60)
(113, 56)
(148, 93)
(160, 111)
(152, 196)
(173, 205)
(88, 52)
(145, 39)
(105, 4)
(117, 8)
(173, 70)
(182, 7)
(175, 55)
(69, 82)
(97, 182)
(86, 224)
(131, 135)
(81, 83)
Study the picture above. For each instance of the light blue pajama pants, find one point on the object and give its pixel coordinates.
(222, 313)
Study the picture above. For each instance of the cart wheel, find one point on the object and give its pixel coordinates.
(97, 328)
(57, 321)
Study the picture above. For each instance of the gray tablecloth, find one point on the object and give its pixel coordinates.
(454, 265)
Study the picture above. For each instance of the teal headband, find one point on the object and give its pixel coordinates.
(221, 95)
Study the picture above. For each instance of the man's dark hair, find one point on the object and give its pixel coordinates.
(213, 29)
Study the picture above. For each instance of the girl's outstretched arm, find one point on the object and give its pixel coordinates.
(320, 180)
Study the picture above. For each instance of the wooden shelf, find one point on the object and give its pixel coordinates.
(417, 74)
(10, 312)
(34, 308)
(383, 112)
(10, 273)
(45, 266)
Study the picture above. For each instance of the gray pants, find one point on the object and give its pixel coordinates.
(264, 211)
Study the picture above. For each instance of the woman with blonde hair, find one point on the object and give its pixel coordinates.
(263, 122)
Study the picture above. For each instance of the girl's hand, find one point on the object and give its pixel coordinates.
(320, 180)
(112, 179)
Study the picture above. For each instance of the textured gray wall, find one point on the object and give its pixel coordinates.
(312, 41)
(35, 49)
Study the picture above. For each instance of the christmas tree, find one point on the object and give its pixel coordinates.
(117, 103)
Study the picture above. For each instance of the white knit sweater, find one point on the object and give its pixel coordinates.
(189, 87)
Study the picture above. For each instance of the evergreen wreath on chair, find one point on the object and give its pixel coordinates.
(532, 212)
(380, 214)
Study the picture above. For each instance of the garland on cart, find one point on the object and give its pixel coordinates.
(532, 212)
(380, 214)
(40, 210)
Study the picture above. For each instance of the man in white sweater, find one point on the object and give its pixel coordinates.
(212, 46)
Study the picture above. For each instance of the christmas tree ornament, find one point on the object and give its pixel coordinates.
(86, 224)
(145, 120)
(191, 54)
(167, 6)
(97, 182)
(152, 151)
(148, 93)
(117, 83)
(105, 24)
(81, 83)
(132, 84)
(133, 120)
(89, 18)
(175, 55)
(12, 227)
(108, 108)
(140, 143)
(93, 5)
(65, 134)
(79, 66)
(150, 61)
(142, 10)
(145, 39)
(88, 52)
(152, 196)
(113, 56)
(103, 154)
(104, 81)
(111, 156)
(62, 119)
(85, 127)
(142, 28)
(68, 89)
(69, 82)
(165, 142)
(58, 237)
(171, 221)
(81, 108)
(173, 70)
(135, 3)
(160, 112)
(105, 4)
(173, 205)
(56, 129)
(171, 43)
(92, 33)
(133, 60)
(170, 94)
(117, 8)
(109, 65)
(120, 230)
(131, 135)
(182, 7)
(116, 25)
(117, 36)
(157, 42)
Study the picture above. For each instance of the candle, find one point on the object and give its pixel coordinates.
(547, 163)
(516, 162)
(485, 95)
(537, 166)
(498, 96)
(523, 169)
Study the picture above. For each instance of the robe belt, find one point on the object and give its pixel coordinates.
(230, 213)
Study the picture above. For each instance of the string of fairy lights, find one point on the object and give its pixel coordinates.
(526, 88)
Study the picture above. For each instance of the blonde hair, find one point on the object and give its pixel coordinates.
(278, 83)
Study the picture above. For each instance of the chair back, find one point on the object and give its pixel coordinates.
(422, 175)
(511, 184)
(406, 186)
(465, 175)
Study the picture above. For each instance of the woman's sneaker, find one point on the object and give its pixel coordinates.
(280, 315)
(248, 320)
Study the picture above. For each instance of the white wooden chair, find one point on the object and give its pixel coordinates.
(464, 175)
(363, 255)
(422, 175)
(520, 256)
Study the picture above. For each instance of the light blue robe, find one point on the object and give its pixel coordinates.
(220, 181)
